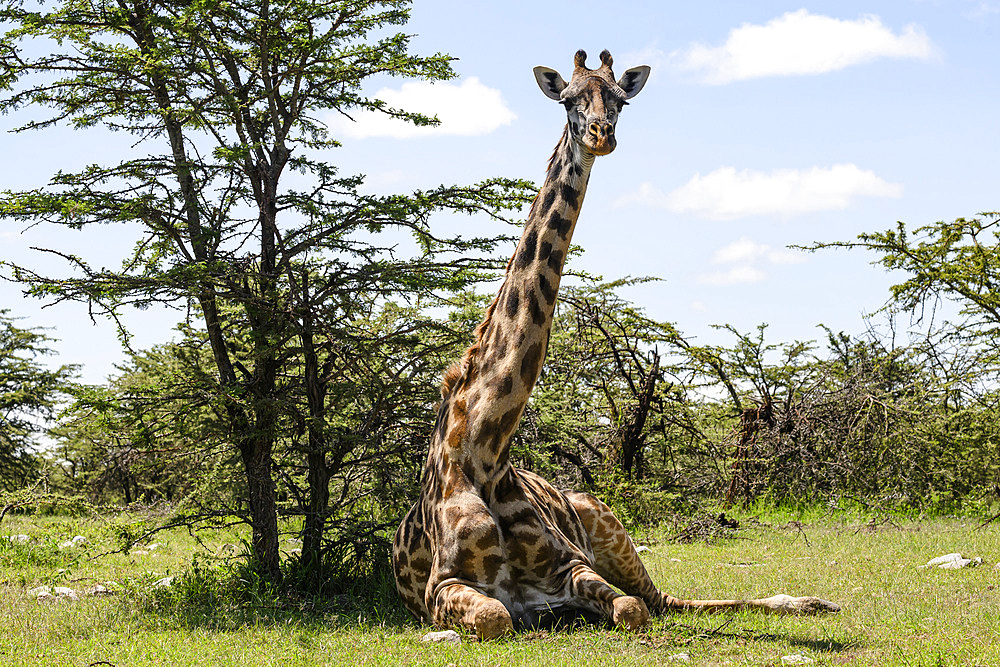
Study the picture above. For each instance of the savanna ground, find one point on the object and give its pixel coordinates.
(893, 612)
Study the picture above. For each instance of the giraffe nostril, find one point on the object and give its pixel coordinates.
(594, 129)
(610, 130)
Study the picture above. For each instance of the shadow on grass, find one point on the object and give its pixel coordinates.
(220, 600)
(225, 599)
(825, 645)
(817, 645)
(377, 608)
(283, 612)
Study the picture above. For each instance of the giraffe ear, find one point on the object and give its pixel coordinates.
(633, 80)
(550, 81)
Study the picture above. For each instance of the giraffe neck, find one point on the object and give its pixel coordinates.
(485, 394)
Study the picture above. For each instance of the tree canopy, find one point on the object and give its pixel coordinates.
(29, 397)
(243, 218)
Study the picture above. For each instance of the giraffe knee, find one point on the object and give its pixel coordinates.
(492, 619)
(629, 612)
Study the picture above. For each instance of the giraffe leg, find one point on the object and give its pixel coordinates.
(459, 604)
(615, 557)
(625, 611)
(617, 561)
(411, 563)
(468, 563)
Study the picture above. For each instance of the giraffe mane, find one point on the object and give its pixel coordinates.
(459, 372)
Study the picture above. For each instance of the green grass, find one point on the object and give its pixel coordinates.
(894, 613)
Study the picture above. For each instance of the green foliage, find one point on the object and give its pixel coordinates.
(754, 421)
(603, 390)
(951, 274)
(285, 277)
(29, 395)
(34, 553)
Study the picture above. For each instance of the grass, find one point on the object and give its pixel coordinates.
(894, 613)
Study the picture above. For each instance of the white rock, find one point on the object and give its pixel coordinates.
(679, 657)
(77, 541)
(448, 636)
(796, 659)
(98, 590)
(17, 539)
(63, 592)
(154, 546)
(46, 593)
(953, 561)
(165, 582)
(941, 560)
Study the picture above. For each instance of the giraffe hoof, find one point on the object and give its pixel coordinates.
(786, 604)
(811, 605)
(492, 620)
(629, 612)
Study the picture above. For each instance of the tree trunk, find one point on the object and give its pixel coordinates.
(632, 433)
(256, 454)
(751, 421)
(319, 473)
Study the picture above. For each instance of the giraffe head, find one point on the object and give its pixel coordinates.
(593, 99)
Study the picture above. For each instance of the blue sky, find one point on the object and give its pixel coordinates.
(763, 125)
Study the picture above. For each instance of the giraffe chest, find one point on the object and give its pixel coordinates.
(543, 540)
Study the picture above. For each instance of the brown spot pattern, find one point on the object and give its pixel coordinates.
(560, 224)
(556, 261)
(547, 289)
(528, 247)
(530, 363)
(538, 316)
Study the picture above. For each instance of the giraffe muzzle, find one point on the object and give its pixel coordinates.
(601, 138)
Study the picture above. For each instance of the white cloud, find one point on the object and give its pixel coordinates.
(647, 195)
(746, 256)
(737, 275)
(801, 43)
(727, 194)
(745, 250)
(983, 9)
(466, 109)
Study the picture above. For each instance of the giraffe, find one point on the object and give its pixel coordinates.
(488, 547)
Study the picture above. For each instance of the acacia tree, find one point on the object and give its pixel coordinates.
(955, 262)
(226, 98)
(29, 394)
(603, 390)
